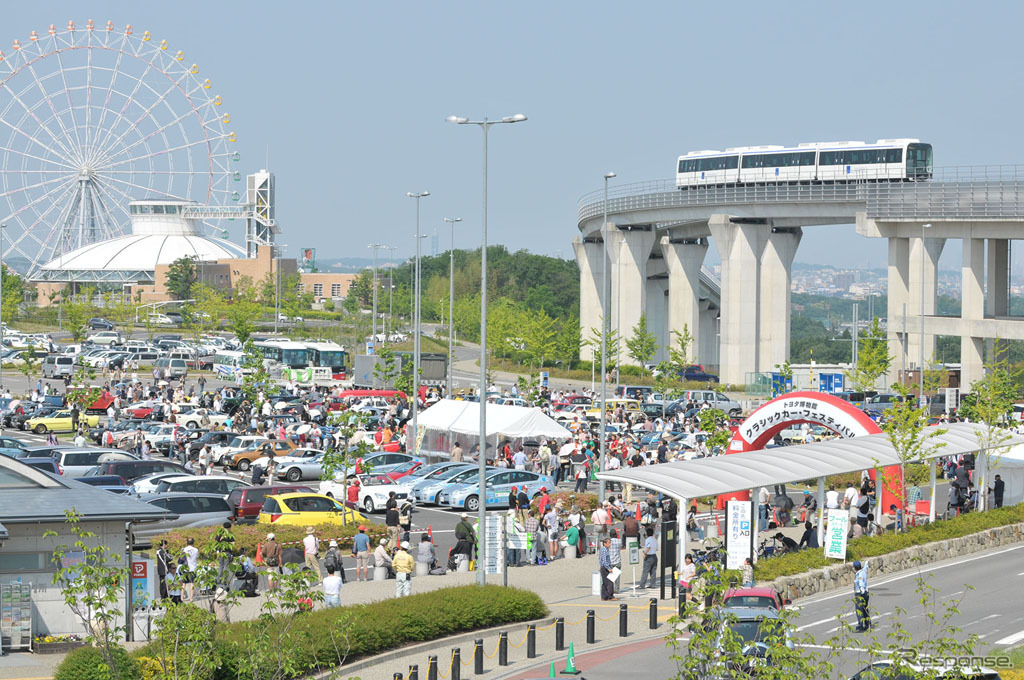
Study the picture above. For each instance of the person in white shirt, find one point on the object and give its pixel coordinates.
(332, 588)
(80, 439)
(191, 566)
(311, 548)
(832, 498)
(851, 497)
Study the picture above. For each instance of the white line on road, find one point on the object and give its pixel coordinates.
(1011, 639)
(913, 573)
(818, 623)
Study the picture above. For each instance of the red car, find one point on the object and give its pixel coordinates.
(403, 470)
(755, 597)
(246, 502)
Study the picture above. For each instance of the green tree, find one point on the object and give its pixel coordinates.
(243, 312)
(568, 341)
(386, 369)
(77, 311)
(541, 337)
(181, 278)
(92, 579)
(906, 425)
(873, 358)
(611, 346)
(642, 346)
(14, 290)
(254, 372)
(991, 408)
(679, 354)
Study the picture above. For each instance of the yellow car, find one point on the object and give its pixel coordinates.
(628, 405)
(304, 508)
(59, 421)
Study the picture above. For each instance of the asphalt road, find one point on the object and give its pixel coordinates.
(985, 587)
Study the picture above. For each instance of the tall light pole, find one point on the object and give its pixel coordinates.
(391, 292)
(920, 369)
(3, 227)
(410, 438)
(485, 126)
(375, 247)
(451, 300)
(604, 331)
(277, 282)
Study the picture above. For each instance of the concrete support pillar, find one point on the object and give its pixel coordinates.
(628, 251)
(972, 308)
(931, 249)
(996, 300)
(707, 342)
(588, 256)
(740, 246)
(657, 313)
(899, 280)
(776, 279)
(683, 259)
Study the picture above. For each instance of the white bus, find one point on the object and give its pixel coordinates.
(228, 364)
(283, 354)
(328, 355)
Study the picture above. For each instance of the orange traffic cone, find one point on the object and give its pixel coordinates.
(430, 533)
(259, 555)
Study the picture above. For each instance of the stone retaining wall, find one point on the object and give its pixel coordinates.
(840, 575)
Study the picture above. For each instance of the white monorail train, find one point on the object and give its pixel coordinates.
(885, 160)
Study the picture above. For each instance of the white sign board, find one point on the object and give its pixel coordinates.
(738, 528)
(494, 551)
(835, 537)
(633, 548)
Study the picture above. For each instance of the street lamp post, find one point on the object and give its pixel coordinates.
(374, 247)
(3, 227)
(451, 300)
(391, 294)
(920, 369)
(410, 437)
(485, 126)
(277, 282)
(604, 331)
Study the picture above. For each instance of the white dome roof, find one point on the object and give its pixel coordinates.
(156, 239)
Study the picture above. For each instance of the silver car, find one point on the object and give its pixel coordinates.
(300, 464)
(188, 510)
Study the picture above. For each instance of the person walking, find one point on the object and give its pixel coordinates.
(604, 561)
(361, 548)
(311, 552)
(998, 488)
(191, 553)
(404, 564)
(650, 565)
(391, 519)
(860, 596)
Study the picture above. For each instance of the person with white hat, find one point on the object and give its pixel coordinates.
(271, 554)
(404, 564)
(311, 548)
(332, 560)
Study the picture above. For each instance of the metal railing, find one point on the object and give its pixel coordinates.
(957, 192)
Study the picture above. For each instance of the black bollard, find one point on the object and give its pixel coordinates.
(456, 670)
(591, 625)
(478, 656)
(398, 676)
(531, 642)
(654, 613)
(559, 634)
(503, 649)
(414, 672)
(432, 667)
(623, 621)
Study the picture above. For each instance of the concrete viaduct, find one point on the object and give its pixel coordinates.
(658, 236)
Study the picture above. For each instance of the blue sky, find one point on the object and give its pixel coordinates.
(349, 99)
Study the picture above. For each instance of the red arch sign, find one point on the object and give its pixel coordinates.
(817, 408)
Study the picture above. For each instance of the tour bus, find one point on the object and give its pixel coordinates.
(283, 354)
(228, 364)
(329, 355)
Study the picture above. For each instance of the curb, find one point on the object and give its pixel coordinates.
(429, 646)
(580, 655)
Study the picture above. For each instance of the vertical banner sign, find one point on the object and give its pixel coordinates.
(308, 259)
(738, 533)
(141, 591)
(494, 560)
(633, 547)
(835, 538)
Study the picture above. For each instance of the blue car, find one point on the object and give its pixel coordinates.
(498, 485)
(11, 447)
(426, 487)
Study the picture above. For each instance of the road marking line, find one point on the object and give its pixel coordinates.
(913, 573)
(1011, 639)
(818, 623)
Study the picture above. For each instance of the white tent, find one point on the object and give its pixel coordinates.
(1010, 468)
(449, 420)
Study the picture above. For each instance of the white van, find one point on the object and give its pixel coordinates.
(58, 366)
(171, 368)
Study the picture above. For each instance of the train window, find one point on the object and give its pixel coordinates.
(688, 166)
(831, 158)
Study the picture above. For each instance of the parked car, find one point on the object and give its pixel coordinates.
(374, 490)
(884, 670)
(133, 469)
(247, 501)
(243, 460)
(381, 462)
(300, 508)
(192, 510)
(148, 483)
(214, 484)
(193, 419)
(99, 323)
(882, 402)
(10, 447)
(59, 421)
(639, 392)
(57, 366)
(714, 399)
(77, 462)
(499, 483)
(44, 464)
(107, 337)
(696, 373)
(403, 470)
(298, 464)
(426, 489)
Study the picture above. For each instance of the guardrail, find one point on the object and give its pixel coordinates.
(956, 192)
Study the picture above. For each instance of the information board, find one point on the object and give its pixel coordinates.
(835, 537)
(494, 552)
(633, 548)
(738, 533)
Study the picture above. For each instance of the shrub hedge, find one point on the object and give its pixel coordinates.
(873, 546)
(86, 663)
(248, 535)
(380, 626)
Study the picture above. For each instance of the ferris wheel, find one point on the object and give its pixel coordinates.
(92, 117)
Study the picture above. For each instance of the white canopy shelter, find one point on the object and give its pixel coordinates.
(450, 420)
(1009, 465)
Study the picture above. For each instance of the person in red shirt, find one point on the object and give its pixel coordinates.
(545, 501)
(353, 493)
